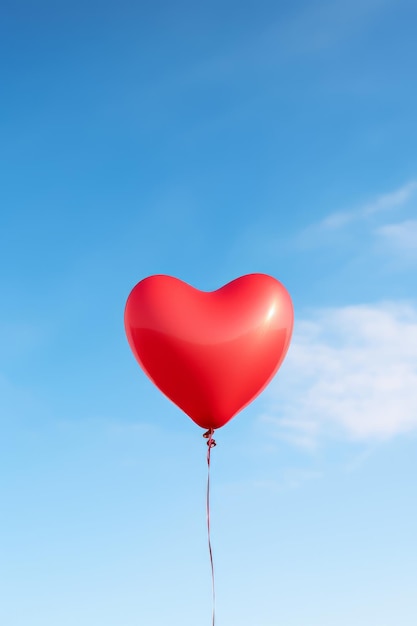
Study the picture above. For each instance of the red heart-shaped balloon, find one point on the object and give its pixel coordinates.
(212, 352)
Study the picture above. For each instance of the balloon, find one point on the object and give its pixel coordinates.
(211, 353)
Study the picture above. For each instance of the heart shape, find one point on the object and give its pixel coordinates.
(211, 353)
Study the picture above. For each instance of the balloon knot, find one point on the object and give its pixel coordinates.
(209, 435)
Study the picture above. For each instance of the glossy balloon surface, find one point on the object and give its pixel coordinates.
(212, 352)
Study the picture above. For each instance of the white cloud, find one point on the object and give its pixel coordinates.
(401, 237)
(351, 372)
(384, 202)
(391, 200)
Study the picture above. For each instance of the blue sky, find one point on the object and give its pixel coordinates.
(207, 141)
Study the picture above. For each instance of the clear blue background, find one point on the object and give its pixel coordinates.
(206, 141)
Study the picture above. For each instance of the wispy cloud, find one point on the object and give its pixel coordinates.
(286, 479)
(351, 373)
(300, 32)
(400, 238)
(384, 202)
(328, 24)
(361, 224)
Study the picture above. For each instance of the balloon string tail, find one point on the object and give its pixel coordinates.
(210, 444)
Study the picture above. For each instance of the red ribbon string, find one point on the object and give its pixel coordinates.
(210, 444)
